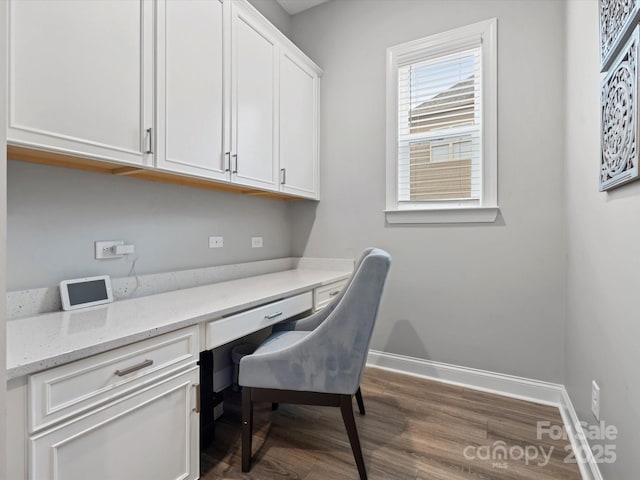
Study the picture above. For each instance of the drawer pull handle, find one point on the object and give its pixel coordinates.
(227, 163)
(133, 368)
(273, 315)
(150, 140)
(334, 293)
(197, 407)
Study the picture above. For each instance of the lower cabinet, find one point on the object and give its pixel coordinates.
(150, 434)
(131, 413)
(128, 413)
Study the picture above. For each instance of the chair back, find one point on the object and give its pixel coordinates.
(334, 302)
(345, 335)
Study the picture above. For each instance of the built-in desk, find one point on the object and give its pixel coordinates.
(44, 341)
(76, 377)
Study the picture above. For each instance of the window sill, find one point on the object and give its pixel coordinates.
(443, 215)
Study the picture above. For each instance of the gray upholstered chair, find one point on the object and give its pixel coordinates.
(323, 366)
(310, 323)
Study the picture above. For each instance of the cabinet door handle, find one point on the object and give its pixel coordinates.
(283, 176)
(149, 141)
(197, 407)
(235, 156)
(334, 293)
(273, 315)
(133, 368)
(227, 161)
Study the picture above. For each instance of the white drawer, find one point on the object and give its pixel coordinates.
(225, 330)
(73, 388)
(324, 294)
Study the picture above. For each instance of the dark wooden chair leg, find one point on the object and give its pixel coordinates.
(346, 408)
(247, 428)
(360, 401)
(274, 406)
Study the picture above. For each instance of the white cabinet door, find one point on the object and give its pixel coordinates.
(192, 95)
(152, 434)
(298, 126)
(254, 116)
(81, 77)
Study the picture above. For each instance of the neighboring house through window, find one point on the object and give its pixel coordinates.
(441, 128)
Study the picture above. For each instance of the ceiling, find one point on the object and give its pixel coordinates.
(296, 6)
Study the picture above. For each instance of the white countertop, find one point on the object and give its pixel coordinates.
(44, 341)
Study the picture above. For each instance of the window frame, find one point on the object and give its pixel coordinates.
(434, 46)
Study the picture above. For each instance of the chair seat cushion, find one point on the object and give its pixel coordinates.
(280, 340)
(260, 375)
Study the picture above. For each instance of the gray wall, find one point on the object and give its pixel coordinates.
(55, 215)
(485, 296)
(603, 276)
(275, 13)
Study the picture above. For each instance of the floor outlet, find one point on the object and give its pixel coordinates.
(595, 400)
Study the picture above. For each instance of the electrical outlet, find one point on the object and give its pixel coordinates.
(595, 400)
(216, 242)
(256, 242)
(105, 249)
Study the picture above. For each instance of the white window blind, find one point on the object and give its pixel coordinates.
(439, 122)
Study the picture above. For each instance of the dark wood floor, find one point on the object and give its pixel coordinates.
(413, 429)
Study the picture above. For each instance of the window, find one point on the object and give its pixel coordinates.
(441, 127)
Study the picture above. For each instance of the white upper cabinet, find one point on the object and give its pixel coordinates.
(81, 77)
(298, 125)
(254, 119)
(192, 111)
(202, 88)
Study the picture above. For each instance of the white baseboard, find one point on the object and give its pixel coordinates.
(508, 385)
(587, 464)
